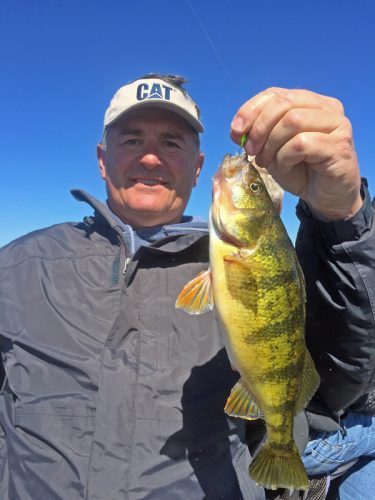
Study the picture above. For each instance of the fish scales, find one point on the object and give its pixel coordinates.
(258, 291)
(263, 343)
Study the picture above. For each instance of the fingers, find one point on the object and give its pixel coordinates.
(293, 123)
(315, 148)
(289, 165)
(305, 141)
(271, 105)
(308, 147)
(322, 169)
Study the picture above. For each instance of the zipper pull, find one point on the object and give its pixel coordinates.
(127, 262)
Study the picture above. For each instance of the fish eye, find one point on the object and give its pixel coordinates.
(256, 187)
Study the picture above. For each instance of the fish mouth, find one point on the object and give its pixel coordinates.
(231, 240)
(220, 229)
(227, 223)
(221, 198)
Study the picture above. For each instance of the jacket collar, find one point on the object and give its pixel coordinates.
(101, 209)
(177, 238)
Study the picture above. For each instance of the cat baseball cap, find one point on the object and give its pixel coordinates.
(155, 93)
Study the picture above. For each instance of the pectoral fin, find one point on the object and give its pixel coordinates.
(244, 258)
(241, 403)
(242, 280)
(196, 296)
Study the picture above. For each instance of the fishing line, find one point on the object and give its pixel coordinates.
(210, 41)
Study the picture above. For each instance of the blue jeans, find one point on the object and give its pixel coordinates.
(358, 482)
(328, 451)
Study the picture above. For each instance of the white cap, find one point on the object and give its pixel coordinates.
(156, 93)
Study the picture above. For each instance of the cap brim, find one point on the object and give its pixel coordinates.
(195, 124)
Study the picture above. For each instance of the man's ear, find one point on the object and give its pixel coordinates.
(198, 166)
(100, 153)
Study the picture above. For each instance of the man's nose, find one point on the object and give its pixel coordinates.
(150, 160)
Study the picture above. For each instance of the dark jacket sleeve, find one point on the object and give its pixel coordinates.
(338, 261)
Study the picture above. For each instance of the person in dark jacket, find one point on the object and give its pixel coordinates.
(109, 391)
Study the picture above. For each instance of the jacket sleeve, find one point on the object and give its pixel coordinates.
(338, 261)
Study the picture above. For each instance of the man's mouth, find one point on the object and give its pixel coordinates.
(148, 181)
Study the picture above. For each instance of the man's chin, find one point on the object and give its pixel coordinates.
(146, 216)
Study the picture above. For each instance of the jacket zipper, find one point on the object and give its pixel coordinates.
(127, 262)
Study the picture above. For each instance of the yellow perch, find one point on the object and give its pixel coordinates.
(257, 287)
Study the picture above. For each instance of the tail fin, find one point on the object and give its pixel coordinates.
(274, 469)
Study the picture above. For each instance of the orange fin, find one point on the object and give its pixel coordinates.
(241, 403)
(196, 296)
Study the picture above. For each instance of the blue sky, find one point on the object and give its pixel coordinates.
(62, 60)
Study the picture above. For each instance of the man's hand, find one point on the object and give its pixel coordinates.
(305, 141)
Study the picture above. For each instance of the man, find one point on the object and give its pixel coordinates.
(109, 392)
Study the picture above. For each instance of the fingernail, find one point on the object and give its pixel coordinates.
(237, 124)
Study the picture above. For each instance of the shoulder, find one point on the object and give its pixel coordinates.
(58, 241)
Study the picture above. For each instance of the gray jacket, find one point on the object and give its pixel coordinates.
(109, 392)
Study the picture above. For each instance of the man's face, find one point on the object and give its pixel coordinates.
(150, 165)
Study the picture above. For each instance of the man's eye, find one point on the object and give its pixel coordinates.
(172, 145)
(131, 142)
